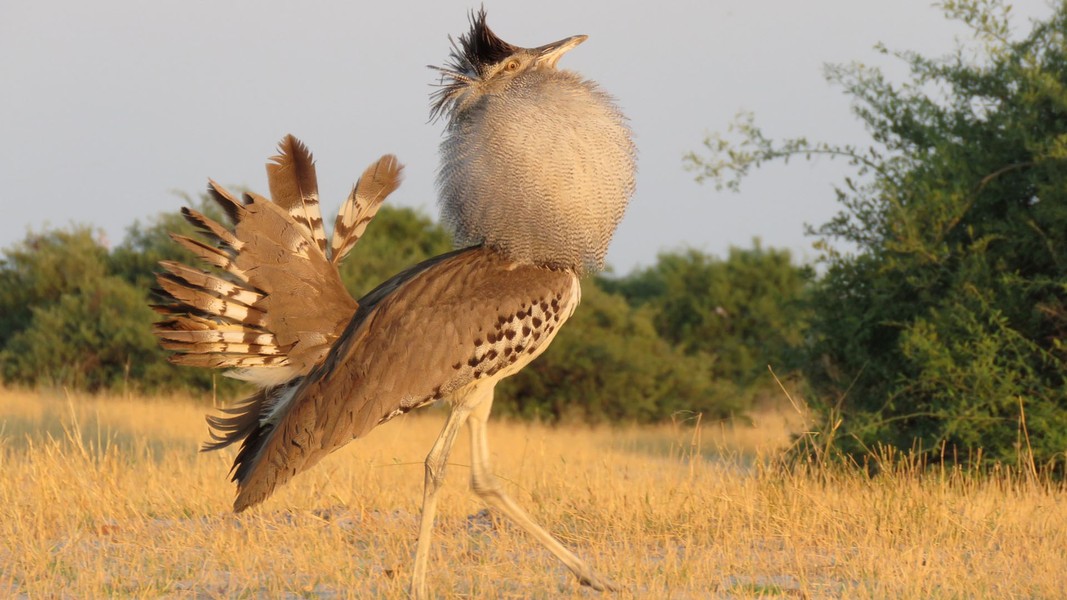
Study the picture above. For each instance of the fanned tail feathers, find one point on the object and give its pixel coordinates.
(271, 302)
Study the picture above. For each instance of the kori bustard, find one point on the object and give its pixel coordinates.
(537, 167)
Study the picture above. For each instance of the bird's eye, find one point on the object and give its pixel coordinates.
(511, 65)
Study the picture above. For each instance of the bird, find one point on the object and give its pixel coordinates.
(537, 168)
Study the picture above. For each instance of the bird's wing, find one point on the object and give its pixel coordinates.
(275, 304)
(470, 317)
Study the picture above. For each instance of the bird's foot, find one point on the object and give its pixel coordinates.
(598, 583)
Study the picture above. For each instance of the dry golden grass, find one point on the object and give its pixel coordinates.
(109, 497)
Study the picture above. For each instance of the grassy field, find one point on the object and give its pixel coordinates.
(105, 497)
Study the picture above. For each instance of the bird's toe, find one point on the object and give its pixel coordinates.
(598, 583)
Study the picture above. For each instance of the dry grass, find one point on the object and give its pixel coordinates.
(109, 497)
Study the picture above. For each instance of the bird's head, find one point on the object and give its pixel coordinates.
(482, 63)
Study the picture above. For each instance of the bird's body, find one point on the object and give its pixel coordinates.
(502, 315)
(537, 169)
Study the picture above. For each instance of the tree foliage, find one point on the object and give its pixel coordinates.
(93, 338)
(66, 320)
(947, 324)
(74, 314)
(740, 314)
(44, 267)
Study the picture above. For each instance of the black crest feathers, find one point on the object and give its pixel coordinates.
(470, 58)
(481, 47)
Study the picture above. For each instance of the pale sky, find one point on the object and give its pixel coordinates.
(109, 107)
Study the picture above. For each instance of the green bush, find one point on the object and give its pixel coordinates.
(44, 267)
(740, 314)
(947, 322)
(70, 315)
(94, 338)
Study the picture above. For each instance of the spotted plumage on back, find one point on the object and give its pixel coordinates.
(501, 315)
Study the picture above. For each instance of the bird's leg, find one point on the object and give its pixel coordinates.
(488, 489)
(436, 461)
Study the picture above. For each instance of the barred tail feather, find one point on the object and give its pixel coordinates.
(240, 336)
(294, 187)
(231, 361)
(377, 182)
(212, 284)
(210, 254)
(205, 302)
(223, 349)
(212, 230)
(225, 200)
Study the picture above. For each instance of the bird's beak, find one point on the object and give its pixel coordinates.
(549, 54)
